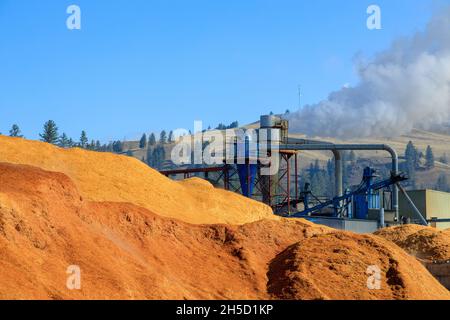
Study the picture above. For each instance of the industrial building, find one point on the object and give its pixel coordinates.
(433, 205)
(372, 204)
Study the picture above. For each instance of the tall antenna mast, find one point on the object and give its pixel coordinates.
(299, 96)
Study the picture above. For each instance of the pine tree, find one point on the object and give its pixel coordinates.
(420, 155)
(143, 141)
(322, 185)
(318, 178)
(152, 139)
(316, 166)
(156, 157)
(311, 171)
(171, 137)
(109, 147)
(429, 158)
(162, 156)
(330, 167)
(83, 140)
(50, 133)
(233, 125)
(412, 175)
(15, 131)
(64, 141)
(117, 146)
(412, 155)
(444, 159)
(150, 157)
(412, 163)
(442, 183)
(163, 137)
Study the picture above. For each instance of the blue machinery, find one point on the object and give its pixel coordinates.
(247, 176)
(357, 203)
(353, 204)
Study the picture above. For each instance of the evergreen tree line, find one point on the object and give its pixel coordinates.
(156, 153)
(151, 141)
(416, 160)
(322, 179)
(156, 156)
(222, 126)
(413, 157)
(50, 134)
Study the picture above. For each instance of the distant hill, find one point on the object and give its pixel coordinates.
(439, 141)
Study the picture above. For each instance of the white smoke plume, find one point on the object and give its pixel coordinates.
(405, 87)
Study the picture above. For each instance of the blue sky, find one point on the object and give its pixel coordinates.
(145, 65)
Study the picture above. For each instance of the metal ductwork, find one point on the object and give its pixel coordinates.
(306, 145)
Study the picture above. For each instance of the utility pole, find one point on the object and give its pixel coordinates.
(299, 96)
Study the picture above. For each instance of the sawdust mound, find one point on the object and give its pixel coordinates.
(425, 243)
(335, 265)
(109, 177)
(128, 252)
(125, 251)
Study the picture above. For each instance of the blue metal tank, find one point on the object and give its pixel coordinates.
(247, 176)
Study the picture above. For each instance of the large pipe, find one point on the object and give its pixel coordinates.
(354, 147)
(338, 180)
(382, 220)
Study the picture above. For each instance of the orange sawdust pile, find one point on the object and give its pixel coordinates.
(425, 243)
(125, 251)
(108, 177)
(128, 252)
(335, 266)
